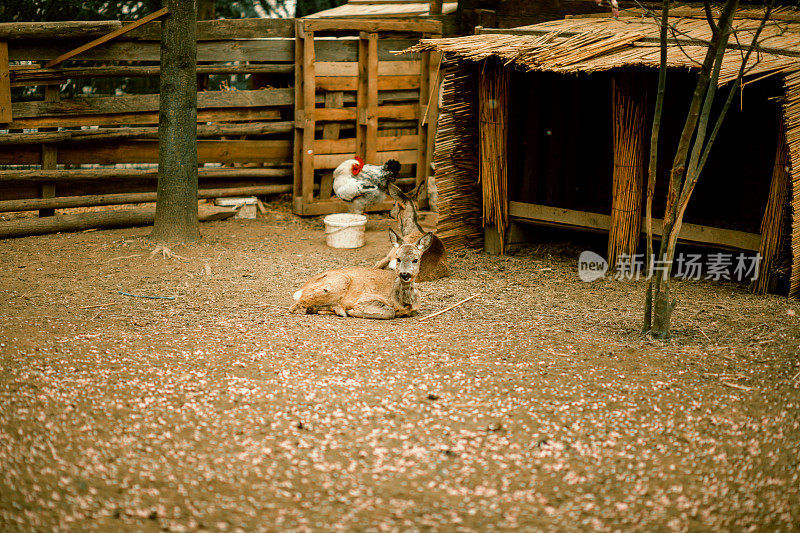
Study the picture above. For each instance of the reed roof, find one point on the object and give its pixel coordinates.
(595, 44)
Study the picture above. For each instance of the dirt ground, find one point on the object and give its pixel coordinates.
(534, 406)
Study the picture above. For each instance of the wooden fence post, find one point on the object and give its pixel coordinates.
(176, 207)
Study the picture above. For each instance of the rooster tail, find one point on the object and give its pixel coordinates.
(392, 168)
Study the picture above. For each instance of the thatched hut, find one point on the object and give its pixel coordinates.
(550, 123)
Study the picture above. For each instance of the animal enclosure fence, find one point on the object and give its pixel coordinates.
(67, 142)
(369, 101)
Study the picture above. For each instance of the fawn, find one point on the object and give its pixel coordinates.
(368, 292)
(434, 260)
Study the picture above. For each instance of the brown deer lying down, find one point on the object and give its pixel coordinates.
(367, 292)
(434, 260)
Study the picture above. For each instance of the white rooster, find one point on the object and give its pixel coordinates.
(363, 185)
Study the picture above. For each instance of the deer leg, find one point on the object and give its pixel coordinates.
(339, 310)
(298, 308)
(372, 306)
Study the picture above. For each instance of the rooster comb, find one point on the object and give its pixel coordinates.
(356, 169)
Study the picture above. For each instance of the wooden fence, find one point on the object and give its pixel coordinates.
(377, 104)
(59, 150)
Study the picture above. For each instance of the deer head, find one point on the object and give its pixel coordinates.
(408, 256)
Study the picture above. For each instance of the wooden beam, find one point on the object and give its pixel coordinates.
(111, 153)
(111, 119)
(148, 132)
(65, 202)
(104, 174)
(43, 76)
(332, 206)
(150, 102)
(31, 31)
(105, 38)
(694, 233)
(102, 219)
(348, 24)
(5, 85)
(350, 83)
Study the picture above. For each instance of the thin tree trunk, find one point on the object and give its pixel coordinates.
(176, 207)
(709, 73)
(652, 168)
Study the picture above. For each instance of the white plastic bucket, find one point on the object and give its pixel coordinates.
(345, 230)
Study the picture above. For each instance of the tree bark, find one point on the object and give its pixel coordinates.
(176, 207)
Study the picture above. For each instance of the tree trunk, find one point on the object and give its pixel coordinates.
(176, 207)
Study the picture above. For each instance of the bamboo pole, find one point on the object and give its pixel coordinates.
(628, 126)
(493, 133)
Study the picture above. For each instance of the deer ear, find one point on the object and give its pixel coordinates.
(394, 238)
(417, 193)
(425, 242)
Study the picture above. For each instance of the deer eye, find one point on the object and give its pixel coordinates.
(415, 261)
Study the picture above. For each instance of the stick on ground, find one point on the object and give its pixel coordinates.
(437, 313)
(146, 296)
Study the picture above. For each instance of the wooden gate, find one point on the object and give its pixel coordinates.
(360, 99)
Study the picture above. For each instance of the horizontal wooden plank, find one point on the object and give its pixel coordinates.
(328, 161)
(149, 102)
(122, 50)
(348, 146)
(14, 31)
(103, 134)
(331, 206)
(63, 202)
(350, 68)
(44, 76)
(105, 174)
(693, 233)
(115, 119)
(147, 152)
(350, 83)
(207, 30)
(224, 29)
(269, 49)
(347, 24)
(397, 112)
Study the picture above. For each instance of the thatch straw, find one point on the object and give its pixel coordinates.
(456, 158)
(493, 133)
(591, 45)
(773, 223)
(791, 118)
(629, 114)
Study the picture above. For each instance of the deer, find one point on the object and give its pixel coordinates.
(368, 292)
(434, 261)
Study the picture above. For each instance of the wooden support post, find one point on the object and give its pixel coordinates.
(49, 155)
(299, 116)
(176, 207)
(309, 118)
(435, 7)
(629, 111)
(367, 97)
(773, 224)
(333, 100)
(5, 85)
